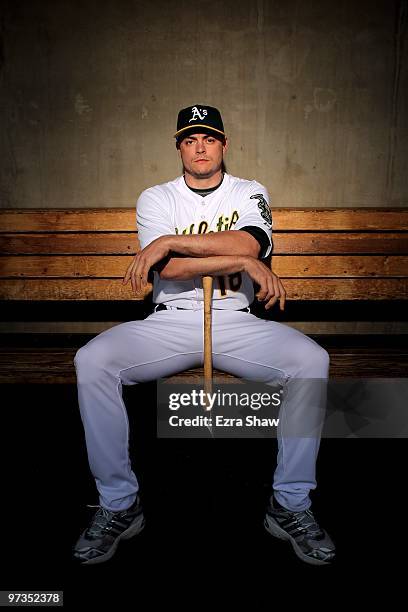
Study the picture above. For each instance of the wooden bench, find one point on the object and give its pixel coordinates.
(345, 272)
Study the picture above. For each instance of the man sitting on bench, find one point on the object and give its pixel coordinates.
(205, 222)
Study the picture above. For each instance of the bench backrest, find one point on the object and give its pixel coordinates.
(321, 254)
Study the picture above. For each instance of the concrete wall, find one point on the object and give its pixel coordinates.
(314, 96)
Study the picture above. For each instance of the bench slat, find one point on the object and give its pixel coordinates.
(124, 219)
(114, 266)
(127, 243)
(112, 289)
(56, 366)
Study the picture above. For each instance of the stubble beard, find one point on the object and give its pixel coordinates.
(203, 174)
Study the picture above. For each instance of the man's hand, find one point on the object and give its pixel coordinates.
(138, 270)
(270, 286)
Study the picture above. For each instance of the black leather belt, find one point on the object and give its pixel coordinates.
(164, 307)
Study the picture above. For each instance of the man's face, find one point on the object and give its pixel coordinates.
(202, 155)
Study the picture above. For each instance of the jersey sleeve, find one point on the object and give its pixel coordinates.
(255, 212)
(153, 217)
(260, 236)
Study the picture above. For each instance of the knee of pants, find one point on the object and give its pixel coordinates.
(92, 361)
(313, 361)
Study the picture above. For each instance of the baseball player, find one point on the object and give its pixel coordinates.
(205, 222)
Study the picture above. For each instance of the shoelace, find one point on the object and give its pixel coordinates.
(100, 520)
(310, 524)
(307, 523)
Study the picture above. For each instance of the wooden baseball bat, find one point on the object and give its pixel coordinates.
(208, 370)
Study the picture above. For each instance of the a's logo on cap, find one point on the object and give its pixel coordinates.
(197, 114)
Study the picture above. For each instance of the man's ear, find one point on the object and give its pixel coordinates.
(225, 145)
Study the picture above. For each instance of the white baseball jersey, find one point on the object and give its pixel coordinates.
(173, 208)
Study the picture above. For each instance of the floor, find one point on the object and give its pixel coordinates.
(204, 500)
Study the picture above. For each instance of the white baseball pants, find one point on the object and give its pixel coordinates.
(171, 341)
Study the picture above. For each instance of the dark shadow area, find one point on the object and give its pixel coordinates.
(204, 501)
(295, 310)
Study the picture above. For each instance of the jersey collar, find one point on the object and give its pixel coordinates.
(185, 190)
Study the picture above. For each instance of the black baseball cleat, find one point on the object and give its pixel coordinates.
(310, 542)
(99, 541)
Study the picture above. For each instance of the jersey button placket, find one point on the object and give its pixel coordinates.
(197, 281)
(198, 290)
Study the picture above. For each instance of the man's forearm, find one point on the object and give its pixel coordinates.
(186, 268)
(230, 242)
